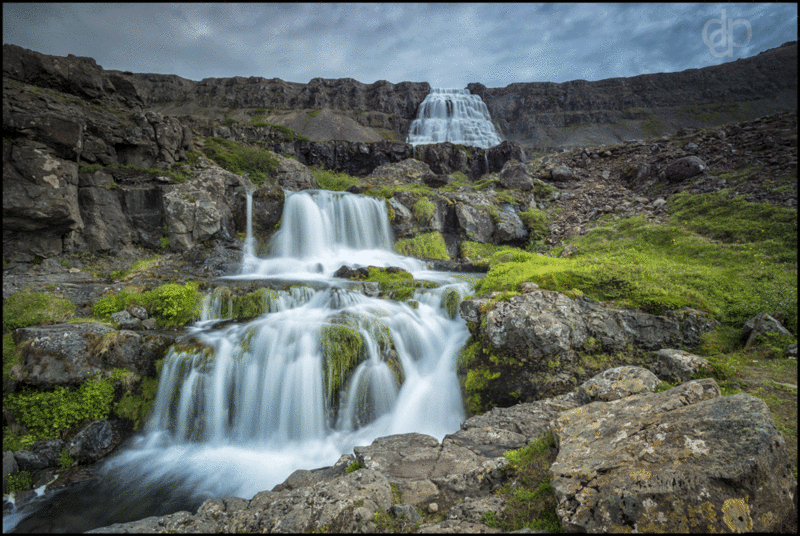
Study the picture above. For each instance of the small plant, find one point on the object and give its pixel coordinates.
(355, 466)
(66, 460)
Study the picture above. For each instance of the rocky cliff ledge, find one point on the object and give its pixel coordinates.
(540, 115)
(581, 113)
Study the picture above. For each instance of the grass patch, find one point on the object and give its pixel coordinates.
(28, 308)
(662, 267)
(258, 164)
(426, 246)
(328, 179)
(137, 267)
(531, 501)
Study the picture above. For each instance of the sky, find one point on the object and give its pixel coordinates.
(447, 45)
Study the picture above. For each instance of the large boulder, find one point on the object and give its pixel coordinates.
(684, 460)
(73, 353)
(684, 168)
(762, 324)
(200, 209)
(294, 176)
(93, 442)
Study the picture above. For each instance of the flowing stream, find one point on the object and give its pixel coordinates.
(254, 401)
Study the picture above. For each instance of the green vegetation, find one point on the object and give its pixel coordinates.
(428, 246)
(342, 351)
(258, 164)
(355, 466)
(531, 501)
(46, 414)
(398, 285)
(715, 113)
(229, 121)
(21, 481)
(135, 404)
(451, 299)
(538, 227)
(171, 304)
(137, 267)
(288, 134)
(652, 127)
(27, 308)
(332, 180)
(313, 113)
(424, 210)
(662, 267)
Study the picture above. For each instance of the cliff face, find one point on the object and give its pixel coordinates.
(587, 113)
(540, 115)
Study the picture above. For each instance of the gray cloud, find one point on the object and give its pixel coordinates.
(447, 45)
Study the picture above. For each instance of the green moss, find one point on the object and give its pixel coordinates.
(531, 501)
(313, 113)
(139, 266)
(663, 267)
(171, 304)
(424, 210)
(332, 180)
(342, 350)
(259, 164)
(10, 357)
(537, 222)
(451, 299)
(355, 466)
(47, 413)
(429, 246)
(28, 308)
(136, 405)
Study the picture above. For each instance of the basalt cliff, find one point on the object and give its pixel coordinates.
(540, 115)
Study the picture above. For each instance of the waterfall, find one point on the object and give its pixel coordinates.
(322, 230)
(242, 406)
(453, 115)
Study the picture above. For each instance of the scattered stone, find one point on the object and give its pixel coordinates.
(616, 383)
(762, 324)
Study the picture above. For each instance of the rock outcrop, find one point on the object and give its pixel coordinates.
(680, 460)
(538, 336)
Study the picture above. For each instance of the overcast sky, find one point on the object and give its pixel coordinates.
(447, 45)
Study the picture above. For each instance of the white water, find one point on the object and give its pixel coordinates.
(259, 406)
(453, 115)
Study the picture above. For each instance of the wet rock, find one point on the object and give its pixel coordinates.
(93, 442)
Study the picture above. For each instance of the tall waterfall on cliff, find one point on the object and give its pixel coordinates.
(242, 405)
(453, 115)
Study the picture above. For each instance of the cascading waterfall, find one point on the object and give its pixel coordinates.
(326, 369)
(453, 115)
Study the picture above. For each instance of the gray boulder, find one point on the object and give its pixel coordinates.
(476, 223)
(73, 353)
(93, 442)
(684, 168)
(294, 176)
(761, 324)
(679, 365)
(561, 173)
(516, 176)
(616, 383)
(681, 460)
